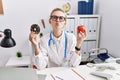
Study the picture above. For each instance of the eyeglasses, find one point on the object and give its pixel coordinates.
(55, 18)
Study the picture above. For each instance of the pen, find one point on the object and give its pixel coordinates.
(52, 76)
(77, 74)
(59, 77)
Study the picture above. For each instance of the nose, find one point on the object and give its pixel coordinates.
(57, 19)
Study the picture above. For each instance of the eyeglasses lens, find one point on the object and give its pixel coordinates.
(55, 18)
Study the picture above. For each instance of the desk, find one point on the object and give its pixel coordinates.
(83, 70)
(10, 73)
(14, 61)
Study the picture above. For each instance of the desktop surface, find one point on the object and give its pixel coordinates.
(68, 73)
(82, 72)
(18, 74)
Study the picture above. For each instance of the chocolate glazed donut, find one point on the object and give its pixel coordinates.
(35, 28)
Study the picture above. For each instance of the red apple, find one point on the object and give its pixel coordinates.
(81, 28)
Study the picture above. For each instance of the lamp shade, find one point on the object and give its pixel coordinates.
(7, 41)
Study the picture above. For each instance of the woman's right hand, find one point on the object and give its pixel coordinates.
(33, 38)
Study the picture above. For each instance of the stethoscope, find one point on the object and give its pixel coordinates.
(65, 48)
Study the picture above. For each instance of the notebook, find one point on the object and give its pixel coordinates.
(20, 74)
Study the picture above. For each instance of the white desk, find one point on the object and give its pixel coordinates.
(10, 73)
(18, 62)
(83, 70)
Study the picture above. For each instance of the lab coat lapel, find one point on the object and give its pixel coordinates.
(54, 54)
(53, 48)
(61, 46)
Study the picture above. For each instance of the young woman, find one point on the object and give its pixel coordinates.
(57, 48)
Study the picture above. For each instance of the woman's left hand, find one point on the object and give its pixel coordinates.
(80, 38)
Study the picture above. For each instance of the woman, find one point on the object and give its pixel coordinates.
(57, 48)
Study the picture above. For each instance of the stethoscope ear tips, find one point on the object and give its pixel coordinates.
(35, 28)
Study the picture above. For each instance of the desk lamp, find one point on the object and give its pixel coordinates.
(7, 41)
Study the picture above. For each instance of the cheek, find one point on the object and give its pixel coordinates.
(65, 23)
(61, 24)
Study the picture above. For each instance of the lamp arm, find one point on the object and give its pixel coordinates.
(1, 34)
(2, 31)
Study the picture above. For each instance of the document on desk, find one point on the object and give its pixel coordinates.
(69, 74)
(41, 77)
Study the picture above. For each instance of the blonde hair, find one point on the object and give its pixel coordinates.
(58, 9)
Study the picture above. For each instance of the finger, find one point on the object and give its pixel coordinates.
(32, 35)
(79, 35)
(82, 35)
(33, 32)
(85, 33)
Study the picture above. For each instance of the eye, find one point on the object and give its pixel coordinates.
(61, 18)
(55, 17)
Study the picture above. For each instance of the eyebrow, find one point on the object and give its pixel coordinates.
(57, 15)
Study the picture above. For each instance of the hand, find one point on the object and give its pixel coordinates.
(80, 38)
(34, 41)
(33, 38)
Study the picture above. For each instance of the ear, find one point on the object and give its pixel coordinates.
(49, 21)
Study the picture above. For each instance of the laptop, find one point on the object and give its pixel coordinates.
(20, 74)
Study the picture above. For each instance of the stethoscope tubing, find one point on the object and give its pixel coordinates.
(65, 48)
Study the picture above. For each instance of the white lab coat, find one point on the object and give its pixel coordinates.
(51, 56)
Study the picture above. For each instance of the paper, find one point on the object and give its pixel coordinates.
(41, 76)
(69, 74)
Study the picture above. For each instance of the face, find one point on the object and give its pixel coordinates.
(57, 20)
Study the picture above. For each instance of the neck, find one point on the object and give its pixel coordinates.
(57, 34)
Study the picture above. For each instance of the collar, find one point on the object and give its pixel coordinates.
(58, 39)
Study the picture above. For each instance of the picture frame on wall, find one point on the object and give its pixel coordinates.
(1, 7)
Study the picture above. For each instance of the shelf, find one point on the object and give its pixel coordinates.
(14, 61)
(92, 24)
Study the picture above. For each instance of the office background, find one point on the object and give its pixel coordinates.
(19, 15)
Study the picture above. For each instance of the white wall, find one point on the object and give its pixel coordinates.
(19, 15)
(110, 28)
